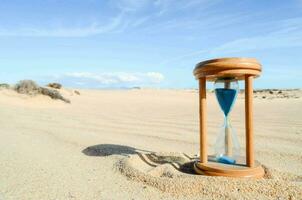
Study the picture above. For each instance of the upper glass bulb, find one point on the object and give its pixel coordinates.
(226, 90)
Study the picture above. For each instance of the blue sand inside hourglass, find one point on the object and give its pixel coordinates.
(226, 160)
(225, 98)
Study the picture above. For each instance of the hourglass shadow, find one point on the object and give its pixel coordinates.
(103, 150)
(148, 157)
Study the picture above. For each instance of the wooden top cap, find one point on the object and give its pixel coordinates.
(227, 67)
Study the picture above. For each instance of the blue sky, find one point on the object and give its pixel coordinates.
(149, 43)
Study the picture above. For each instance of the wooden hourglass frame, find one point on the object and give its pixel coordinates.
(241, 69)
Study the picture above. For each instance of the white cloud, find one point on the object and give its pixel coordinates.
(104, 78)
(155, 77)
(287, 34)
(131, 5)
(117, 22)
(92, 29)
(120, 79)
(125, 14)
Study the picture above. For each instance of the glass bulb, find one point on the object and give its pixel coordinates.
(227, 148)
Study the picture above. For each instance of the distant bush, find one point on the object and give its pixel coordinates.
(29, 87)
(55, 85)
(53, 94)
(4, 85)
(77, 92)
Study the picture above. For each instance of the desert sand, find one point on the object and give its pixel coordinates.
(132, 144)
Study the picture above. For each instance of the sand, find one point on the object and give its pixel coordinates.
(132, 144)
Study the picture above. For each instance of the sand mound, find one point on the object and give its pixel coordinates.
(172, 173)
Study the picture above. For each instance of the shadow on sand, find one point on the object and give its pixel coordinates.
(103, 150)
(149, 157)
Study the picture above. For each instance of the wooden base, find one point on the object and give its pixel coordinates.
(212, 168)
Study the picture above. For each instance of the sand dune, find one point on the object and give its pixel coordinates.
(132, 144)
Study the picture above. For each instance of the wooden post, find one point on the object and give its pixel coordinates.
(249, 138)
(203, 118)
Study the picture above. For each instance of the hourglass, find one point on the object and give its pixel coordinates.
(228, 161)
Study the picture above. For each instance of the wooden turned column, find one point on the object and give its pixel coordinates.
(202, 118)
(249, 121)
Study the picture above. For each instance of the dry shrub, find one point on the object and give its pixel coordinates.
(53, 94)
(29, 87)
(4, 85)
(55, 85)
(77, 92)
